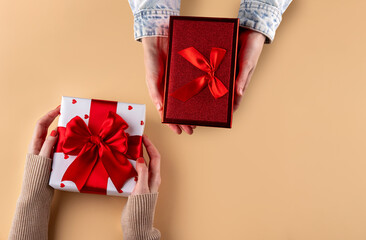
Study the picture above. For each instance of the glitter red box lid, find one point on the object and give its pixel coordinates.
(202, 37)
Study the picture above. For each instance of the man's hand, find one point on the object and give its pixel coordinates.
(250, 48)
(155, 56)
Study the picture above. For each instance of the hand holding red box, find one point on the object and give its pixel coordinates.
(250, 48)
(200, 77)
(155, 55)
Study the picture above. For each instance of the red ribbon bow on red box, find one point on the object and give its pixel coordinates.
(109, 146)
(217, 88)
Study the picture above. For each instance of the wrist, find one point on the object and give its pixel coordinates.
(246, 34)
(35, 181)
(154, 43)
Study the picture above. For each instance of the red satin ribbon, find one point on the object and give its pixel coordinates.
(109, 146)
(217, 88)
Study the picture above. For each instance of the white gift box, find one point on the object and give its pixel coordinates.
(134, 116)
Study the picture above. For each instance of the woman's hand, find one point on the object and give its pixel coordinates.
(148, 176)
(250, 48)
(42, 144)
(32, 212)
(155, 56)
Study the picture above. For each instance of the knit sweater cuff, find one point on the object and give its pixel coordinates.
(36, 177)
(138, 217)
(33, 207)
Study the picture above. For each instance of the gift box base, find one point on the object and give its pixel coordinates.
(204, 34)
(92, 114)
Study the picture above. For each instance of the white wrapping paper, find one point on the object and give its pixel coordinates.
(133, 114)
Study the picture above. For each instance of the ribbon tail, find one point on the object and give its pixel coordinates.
(217, 88)
(117, 166)
(134, 150)
(216, 56)
(190, 89)
(80, 169)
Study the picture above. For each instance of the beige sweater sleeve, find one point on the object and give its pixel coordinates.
(33, 207)
(138, 218)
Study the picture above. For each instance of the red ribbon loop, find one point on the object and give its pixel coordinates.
(109, 146)
(217, 88)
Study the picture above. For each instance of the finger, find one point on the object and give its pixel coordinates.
(242, 83)
(237, 100)
(49, 144)
(153, 153)
(249, 77)
(251, 45)
(46, 120)
(142, 185)
(156, 93)
(155, 75)
(242, 79)
(40, 131)
(154, 183)
(175, 128)
(154, 166)
(187, 129)
(155, 54)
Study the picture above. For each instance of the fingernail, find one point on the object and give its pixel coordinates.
(241, 91)
(59, 106)
(140, 160)
(158, 106)
(53, 133)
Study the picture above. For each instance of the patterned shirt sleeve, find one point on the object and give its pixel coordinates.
(151, 17)
(263, 16)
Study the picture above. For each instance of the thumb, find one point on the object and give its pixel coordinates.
(142, 185)
(156, 92)
(242, 78)
(48, 144)
(158, 102)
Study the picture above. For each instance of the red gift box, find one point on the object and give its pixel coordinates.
(200, 74)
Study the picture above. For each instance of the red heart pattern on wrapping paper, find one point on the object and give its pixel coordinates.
(74, 110)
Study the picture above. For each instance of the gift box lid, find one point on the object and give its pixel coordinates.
(115, 127)
(203, 36)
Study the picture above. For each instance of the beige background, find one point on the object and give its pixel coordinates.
(291, 168)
